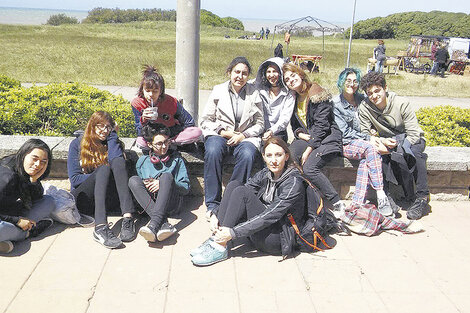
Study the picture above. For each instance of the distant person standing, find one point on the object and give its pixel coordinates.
(435, 64)
(442, 57)
(379, 54)
(267, 32)
(261, 33)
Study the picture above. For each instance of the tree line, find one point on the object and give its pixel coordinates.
(105, 15)
(403, 25)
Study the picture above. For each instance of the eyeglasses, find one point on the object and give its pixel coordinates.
(159, 144)
(351, 82)
(102, 127)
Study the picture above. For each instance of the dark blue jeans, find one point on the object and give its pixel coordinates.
(216, 149)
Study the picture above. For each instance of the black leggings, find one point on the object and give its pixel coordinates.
(90, 196)
(156, 207)
(239, 204)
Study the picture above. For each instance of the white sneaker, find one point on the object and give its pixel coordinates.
(339, 208)
(167, 230)
(384, 207)
(6, 246)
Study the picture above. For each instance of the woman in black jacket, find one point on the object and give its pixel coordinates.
(24, 210)
(317, 137)
(258, 209)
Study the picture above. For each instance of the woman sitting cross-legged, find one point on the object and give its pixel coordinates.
(162, 182)
(258, 209)
(357, 145)
(24, 210)
(96, 162)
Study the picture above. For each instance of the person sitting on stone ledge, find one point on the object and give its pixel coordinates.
(400, 140)
(24, 209)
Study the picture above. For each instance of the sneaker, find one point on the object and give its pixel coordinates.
(40, 227)
(148, 232)
(106, 237)
(211, 254)
(384, 206)
(208, 215)
(199, 249)
(127, 229)
(6, 246)
(395, 207)
(167, 230)
(339, 208)
(418, 209)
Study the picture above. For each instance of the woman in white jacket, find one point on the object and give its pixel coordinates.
(278, 100)
(232, 124)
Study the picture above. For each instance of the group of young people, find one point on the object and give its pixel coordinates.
(243, 119)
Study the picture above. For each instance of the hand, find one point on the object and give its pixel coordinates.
(147, 114)
(152, 184)
(381, 148)
(236, 139)
(227, 134)
(214, 223)
(222, 235)
(25, 223)
(304, 136)
(268, 134)
(389, 142)
(305, 155)
(35, 178)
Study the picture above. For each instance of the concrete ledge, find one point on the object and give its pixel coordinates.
(448, 167)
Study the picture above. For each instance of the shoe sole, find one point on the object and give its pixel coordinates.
(210, 263)
(6, 246)
(97, 239)
(165, 235)
(147, 234)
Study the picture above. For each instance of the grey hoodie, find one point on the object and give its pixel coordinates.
(278, 110)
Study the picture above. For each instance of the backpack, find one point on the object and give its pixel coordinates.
(319, 224)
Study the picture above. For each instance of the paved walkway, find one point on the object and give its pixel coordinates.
(66, 271)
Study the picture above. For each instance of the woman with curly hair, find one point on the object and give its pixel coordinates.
(97, 169)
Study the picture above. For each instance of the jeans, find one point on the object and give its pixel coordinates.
(156, 205)
(41, 209)
(241, 203)
(421, 173)
(216, 149)
(435, 65)
(91, 195)
(312, 168)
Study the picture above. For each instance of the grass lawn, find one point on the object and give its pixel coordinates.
(113, 55)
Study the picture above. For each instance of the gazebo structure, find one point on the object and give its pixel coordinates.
(303, 26)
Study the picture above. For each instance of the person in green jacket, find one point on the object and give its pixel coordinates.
(161, 183)
(391, 118)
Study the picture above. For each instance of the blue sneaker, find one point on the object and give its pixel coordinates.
(201, 248)
(211, 254)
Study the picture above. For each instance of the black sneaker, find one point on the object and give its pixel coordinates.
(40, 227)
(149, 232)
(106, 237)
(395, 207)
(127, 229)
(418, 209)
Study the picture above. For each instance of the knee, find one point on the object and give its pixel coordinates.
(213, 148)
(247, 153)
(233, 184)
(103, 170)
(48, 202)
(134, 182)
(166, 178)
(118, 163)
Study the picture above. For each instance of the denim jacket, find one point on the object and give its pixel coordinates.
(347, 119)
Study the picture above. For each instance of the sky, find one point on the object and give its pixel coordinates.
(329, 10)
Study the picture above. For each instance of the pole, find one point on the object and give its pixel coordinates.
(187, 54)
(350, 34)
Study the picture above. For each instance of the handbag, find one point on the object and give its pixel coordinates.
(66, 211)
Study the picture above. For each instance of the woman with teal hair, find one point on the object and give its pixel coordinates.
(358, 145)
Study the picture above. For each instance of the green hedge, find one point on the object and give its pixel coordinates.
(445, 126)
(59, 19)
(59, 109)
(7, 83)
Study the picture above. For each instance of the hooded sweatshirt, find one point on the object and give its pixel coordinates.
(397, 118)
(278, 110)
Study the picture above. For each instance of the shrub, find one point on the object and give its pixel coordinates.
(445, 126)
(60, 109)
(59, 19)
(7, 83)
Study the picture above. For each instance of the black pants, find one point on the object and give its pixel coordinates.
(312, 168)
(441, 69)
(240, 203)
(157, 207)
(106, 183)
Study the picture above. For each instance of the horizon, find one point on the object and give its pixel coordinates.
(259, 10)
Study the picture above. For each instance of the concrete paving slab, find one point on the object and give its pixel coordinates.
(70, 301)
(202, 300)
(350, 301)
(418, 301)
(127, 301)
